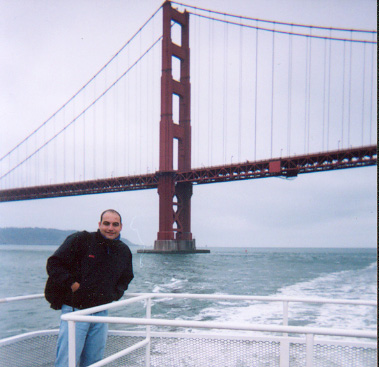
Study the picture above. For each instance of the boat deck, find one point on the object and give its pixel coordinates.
(38, 350)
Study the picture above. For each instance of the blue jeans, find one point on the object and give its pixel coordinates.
(90, 340)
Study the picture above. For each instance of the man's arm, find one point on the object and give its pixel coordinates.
(61, 264)
(125, 279)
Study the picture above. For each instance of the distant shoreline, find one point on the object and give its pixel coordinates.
(38, 236)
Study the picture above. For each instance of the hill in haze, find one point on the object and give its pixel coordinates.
(37, 236)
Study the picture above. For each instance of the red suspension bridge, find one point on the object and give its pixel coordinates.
(237, 98)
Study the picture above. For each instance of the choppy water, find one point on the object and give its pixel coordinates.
(329, 273)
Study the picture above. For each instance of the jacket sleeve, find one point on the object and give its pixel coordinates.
(61, 265)
(126, 277)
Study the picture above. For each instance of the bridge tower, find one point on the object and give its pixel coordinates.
(175, 198)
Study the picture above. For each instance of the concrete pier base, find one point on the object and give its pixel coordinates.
(174, 247)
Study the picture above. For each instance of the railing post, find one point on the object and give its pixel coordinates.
(284, 344)
(309, 350)
(285, 313)
(148, 327)
(71, 344)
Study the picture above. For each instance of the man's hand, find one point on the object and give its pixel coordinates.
(75, 286)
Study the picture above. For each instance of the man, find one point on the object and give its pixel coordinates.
(87, 270)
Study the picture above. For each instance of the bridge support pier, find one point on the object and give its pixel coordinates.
(174, 247)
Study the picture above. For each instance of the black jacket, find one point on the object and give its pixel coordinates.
(102, 267)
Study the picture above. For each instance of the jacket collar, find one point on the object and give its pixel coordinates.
(101, 238)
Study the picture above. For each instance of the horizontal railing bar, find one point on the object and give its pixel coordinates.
(26, 336)
(21, 298)
(72, 316)
(259, 298)
(214, 297)
(122, 353)
(108, 306)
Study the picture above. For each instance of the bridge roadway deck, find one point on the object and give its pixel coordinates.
(285, 167)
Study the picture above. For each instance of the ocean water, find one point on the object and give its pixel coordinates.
(328, 273)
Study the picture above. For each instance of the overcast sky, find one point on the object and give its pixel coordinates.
(49, 49)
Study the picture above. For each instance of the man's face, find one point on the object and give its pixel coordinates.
(110, 226)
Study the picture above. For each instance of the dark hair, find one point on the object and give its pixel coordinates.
(110, 211)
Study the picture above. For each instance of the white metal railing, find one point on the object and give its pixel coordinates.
(147, 321)
(21, 298)
(309, 332)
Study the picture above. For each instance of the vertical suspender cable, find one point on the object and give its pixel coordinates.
(256, 92)
(4, 184)
(22, 182)
(64, 148)
(306, 93)
(124, 123)
(210, 134)
(350, 77)
(104, 139)
(289, 94)
(27, 176)
(372, 87)
(140, 105)
(84, 138)
(94, 129)
(240, 95)
(152, 99)
(74, 135)
(115, 123)
(195, 106)
(153, 93)
(9, 185)
(18, 159)
(197, 81)
(329, 77)
(45, 165)
(146, 108)
(211, 50)
(309, 89)
(37, 163)
(74, 144)
(272, 90)
(26, 164)
(343, 93)
(129, 120)
(36, 160)
(149, 107)
(324, 98)
(363, 91)
(225, 109)
(55, 163)
(148, 94)
(137, 109)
